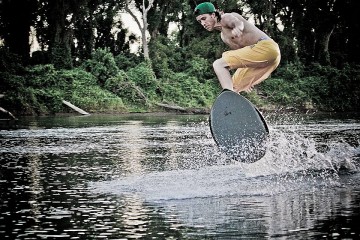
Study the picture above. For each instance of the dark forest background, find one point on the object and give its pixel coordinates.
(84, 55)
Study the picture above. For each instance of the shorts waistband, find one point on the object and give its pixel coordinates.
(263, 38)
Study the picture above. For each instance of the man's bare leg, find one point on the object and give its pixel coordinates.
(223, 74)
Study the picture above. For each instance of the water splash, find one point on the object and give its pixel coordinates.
(290, 151)
(292, 162)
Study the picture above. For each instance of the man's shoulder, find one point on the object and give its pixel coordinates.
(231, 15)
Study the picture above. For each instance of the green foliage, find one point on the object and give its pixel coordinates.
(209, 47)
(18, 97)
(86, 93)
(113, 84)
(325, 88)
(285, 89)
(166, 57)
(44, 76)
(10, 82)
(95, 99)
(200, 68)
(61, 56)
(22, 102)
(102, 65)
(340, 88)
(159, 56)
(281, 91)
(124, 62)
(46, 100)
(25, 94)
(185, 90)
(10, 62)
(144, 77)
(181, 65)
(287, 48)
(133, 95)
(43, 88)
(140, 88)
(290, 71)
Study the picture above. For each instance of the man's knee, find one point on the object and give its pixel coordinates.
(219, 64)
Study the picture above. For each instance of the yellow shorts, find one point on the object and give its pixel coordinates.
(254, 63)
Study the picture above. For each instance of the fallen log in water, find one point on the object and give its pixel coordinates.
(183, 110)
(8, 113)
(79, 110)
(171, 107)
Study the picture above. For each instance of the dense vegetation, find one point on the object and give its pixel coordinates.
(85, 56)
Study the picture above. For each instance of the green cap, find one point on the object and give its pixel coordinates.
(203, 8)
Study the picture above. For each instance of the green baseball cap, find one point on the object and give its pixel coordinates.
(203, 8)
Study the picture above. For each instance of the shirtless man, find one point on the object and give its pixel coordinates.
(254, 54)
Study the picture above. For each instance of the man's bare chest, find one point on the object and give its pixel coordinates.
(230, 40)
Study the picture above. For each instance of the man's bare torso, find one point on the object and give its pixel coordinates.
(250, 35)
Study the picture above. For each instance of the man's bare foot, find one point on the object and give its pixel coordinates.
(248, 90)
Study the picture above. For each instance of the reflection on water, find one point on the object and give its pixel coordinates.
(162, 177)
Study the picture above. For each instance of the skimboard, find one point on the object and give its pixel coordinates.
(238, 128)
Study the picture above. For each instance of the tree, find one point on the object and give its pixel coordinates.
(309, 27)
(16, 18)
(100, 27)
(57, 34)
(73, 29)
(142, 26)
(161, 14)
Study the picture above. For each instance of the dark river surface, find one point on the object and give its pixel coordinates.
(162, 177)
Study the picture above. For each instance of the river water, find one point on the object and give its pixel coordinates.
(162, 177)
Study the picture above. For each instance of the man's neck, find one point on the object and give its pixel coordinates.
(218, 26)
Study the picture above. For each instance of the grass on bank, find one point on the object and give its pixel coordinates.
(99, 85)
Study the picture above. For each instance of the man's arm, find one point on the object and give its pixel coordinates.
(228, 20)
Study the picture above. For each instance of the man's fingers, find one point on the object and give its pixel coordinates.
(236, 32)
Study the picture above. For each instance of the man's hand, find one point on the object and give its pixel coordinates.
(236, 31)
(232, 22)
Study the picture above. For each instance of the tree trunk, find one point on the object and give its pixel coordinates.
(143, 28)
(143, 33)
(61, 35)
(323, 47)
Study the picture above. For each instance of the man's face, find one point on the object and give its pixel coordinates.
(207, 21)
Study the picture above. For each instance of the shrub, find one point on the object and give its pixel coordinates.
(102, 65)
(200, 68)
(126, 89)
(187, 91)
(144, 77)
(328, 88)
(114, 84)
(44, 76)
(166, 56)
(92, 98)
(124, 62)
(61, 56)
(42, 90)
(10, 62)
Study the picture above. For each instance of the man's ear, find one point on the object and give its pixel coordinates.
(213, 15)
